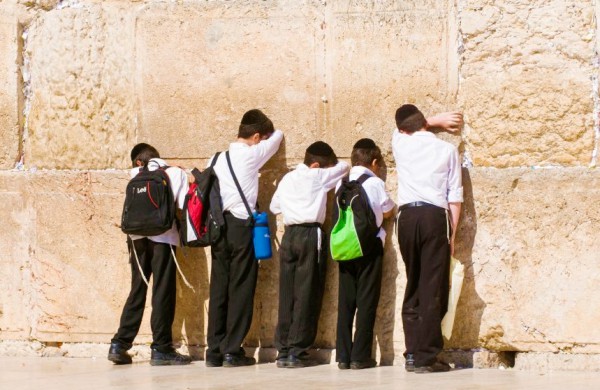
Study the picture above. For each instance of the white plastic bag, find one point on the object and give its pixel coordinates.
(457, 274)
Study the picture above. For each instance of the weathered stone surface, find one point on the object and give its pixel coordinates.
(235, 58)
(82, 91)
(16, 244)
(9, 116)
(381, 55)
(529, 243)
(526, 82)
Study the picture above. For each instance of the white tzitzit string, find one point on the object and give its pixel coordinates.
(185, 281)
(138, 262)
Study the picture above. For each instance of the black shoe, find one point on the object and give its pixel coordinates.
(361, 365)
(437, 366)
(213, 363)
(302, 360)
(170, 358)
(343, 365)
(409, 365)
(232, 360)
(281, 360)
(117, 354)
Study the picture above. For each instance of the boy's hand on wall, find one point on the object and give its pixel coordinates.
(450, 121)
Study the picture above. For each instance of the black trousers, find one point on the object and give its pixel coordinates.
(156, 261)
(359, 290)
(302, 267)
(232, 286)
(423, 234)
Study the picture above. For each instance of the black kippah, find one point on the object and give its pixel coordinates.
(320, 148)
(254, 117)
(365, 143)
(406, 111)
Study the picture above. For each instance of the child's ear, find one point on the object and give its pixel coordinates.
(139, 163)
(315, 165)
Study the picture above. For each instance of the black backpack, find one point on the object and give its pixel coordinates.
(355, 231)
(149, 208)
(203, 221)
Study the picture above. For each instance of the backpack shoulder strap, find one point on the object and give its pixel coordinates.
(239, 188)
(363, 178)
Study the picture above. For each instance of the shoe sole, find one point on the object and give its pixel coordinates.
(168, 363)
(428, 370)
(213, 364)
(410, 368)
(118, 359)
(282, 364)
(231, 365)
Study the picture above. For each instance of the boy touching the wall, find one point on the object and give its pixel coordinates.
(301, 198)
(234, 267)
(430, 194)
(360, 279)
(156, 259)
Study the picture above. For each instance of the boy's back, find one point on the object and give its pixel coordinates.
(301, 195)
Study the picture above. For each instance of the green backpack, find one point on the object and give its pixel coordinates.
(354, 234)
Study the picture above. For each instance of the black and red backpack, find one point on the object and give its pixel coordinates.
(149, 208)
(202, 221)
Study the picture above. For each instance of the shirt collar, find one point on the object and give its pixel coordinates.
(360, 170)
(157, 161)
(423, 134)
(238, 145)
(302, 167)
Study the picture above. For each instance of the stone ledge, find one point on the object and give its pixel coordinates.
(459, 359)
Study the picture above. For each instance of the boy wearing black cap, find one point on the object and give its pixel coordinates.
(429, 197)
(234, 268)
(360, 279)
(301, 198)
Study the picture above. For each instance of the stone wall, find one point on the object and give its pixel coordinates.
(81, 81)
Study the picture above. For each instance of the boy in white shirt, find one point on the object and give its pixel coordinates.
(301, 198)
(234, 267)
(155, 258)
(360, 279)
(430, 195)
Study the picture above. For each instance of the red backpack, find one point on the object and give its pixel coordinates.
(202, 221)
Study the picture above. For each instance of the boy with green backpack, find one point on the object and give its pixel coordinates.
(357, 240)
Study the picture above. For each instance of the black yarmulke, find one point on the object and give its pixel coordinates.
(405, 112)
(365, 143)
(254, 117)
(320, 148)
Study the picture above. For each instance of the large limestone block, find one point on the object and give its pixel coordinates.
(80, 268)
(9, 116)
(201, 66)
(81, 67)
(529, 240)
(527, 81)
(16, 245)
(381, 55)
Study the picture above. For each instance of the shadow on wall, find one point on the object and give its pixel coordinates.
(189, 325)
(470, 306)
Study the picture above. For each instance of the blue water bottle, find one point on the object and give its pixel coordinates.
(261, 236)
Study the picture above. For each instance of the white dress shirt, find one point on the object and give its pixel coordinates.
(428, 169)
(301, 195)
(246, 161)
(378, 197)
(179, 186)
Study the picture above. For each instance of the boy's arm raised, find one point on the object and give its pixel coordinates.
(450, 121)
(265, 149)
(330, 176)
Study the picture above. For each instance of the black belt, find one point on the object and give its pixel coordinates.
(307, 224)
(416, 204)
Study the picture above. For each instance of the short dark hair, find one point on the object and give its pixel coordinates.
(144, 153)
(320, 152)
(255, 121)
(364, 152)
(410, 119)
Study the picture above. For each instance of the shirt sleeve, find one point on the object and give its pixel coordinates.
(387, 203)
(455, 188)
(275, 205)
(265, 149)
(179, 185)
(331, 176)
